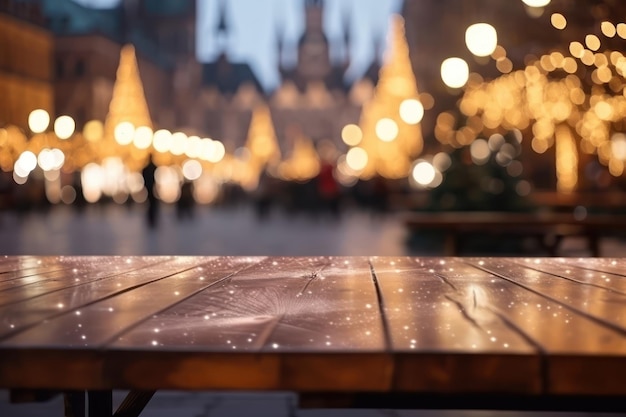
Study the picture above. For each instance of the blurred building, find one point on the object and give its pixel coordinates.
(313, 98)
(26, 72)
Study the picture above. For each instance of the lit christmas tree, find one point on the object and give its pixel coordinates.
(128, 120)
(262, 144)
(392, 136)
(303, 162)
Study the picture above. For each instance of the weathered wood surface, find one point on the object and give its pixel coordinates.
(315, 324)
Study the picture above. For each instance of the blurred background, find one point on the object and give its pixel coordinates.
(306, 127)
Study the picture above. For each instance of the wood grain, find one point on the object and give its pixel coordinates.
(463, 326)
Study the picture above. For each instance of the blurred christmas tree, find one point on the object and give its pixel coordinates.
(392, 135)
(485, 176)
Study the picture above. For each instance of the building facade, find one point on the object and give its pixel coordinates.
(26, 72)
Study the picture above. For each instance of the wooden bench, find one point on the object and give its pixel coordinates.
(548, 228)
(385, 332)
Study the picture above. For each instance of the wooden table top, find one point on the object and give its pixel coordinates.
(318, 324)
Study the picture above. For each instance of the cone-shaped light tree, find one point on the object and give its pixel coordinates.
(262, 145)
(128, 121)
(392, 135)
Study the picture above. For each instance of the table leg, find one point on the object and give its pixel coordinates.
(74, 402)
(134, 403)
(100, 403)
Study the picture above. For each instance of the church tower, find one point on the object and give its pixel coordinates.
(313, 50)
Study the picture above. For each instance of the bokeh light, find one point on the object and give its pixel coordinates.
(357, 159)
(124, 133)
(411, 111)
(38, 121)
(64, 127)
(481, 39)
(351, 134)
(454, 72)
(386, 129)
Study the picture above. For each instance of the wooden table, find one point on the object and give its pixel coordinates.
(549, 228)
(530, 333)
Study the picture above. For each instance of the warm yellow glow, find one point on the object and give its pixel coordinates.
(621, 30)
(423, 173)
(162, 140)
(142, 138)
(576, 49)
(536, 3)
(64, 127)
(38, 121)
(356, 159)
(454, 72)
(351, 134)
(618, 146)
(193, 147)
(592, 42)
(386, 129)
(93, 130)
(179, 140)
(504, 65)
(558, 21)
(566, 160)
(411, 111)
(481, 39)
(124, 133)
(608, 29)
(603, 110)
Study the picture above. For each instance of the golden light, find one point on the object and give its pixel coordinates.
(411, 111)
(592, 42)
(536, 3)
(142, 138)
(608, 29)
(454, 72)
(424, 173)
(386, 129)
(162, 140)
(481, 39)
(64, 127)
(93, 130)
(179, 140)
(124, 133)
(618, 146)
(558, 21)
(217, 152)
(621, 30)
(193, 147)
(357, 159)
(576, 49)
(351, 134)
(38, 121)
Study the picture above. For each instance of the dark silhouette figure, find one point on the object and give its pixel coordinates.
(153, 202)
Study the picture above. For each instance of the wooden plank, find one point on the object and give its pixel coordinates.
(102, 321)
(582, 336)
(82, 271)
(615, 266)
(564, 268)
(294, 305)
(599, 304)
(461, 343)
(17, 316)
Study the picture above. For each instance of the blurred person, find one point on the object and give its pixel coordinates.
(149, 182)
